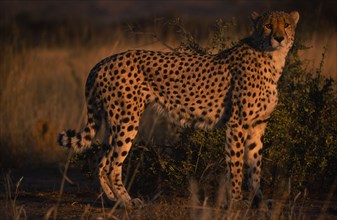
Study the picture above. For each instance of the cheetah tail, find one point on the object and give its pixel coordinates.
(79, 142)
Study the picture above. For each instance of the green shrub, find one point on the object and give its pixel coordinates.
(301, 138)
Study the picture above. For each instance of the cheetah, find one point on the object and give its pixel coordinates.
(235, 89)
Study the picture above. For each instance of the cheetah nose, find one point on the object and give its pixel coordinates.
(279, 38)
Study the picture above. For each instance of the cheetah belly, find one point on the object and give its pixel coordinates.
(201, 117)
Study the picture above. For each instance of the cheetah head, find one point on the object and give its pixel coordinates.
(274, 30)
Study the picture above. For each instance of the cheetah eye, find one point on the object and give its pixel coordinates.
(268, 26)
(286, 25)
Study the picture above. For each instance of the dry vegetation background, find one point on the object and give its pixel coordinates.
(48, 48)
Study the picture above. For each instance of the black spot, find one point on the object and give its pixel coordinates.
(240, 134)
(130, 128)
(128, 140)
(261, 138)
(258, 163)
(235, 138)
(126, 120)
(252, 146)
(119, 143)
(87, 137)
(124, 153)
(72, 133)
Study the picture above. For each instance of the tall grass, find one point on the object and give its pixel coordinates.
(11, 210)
(42, 88)
(319, 42)
(41, 93)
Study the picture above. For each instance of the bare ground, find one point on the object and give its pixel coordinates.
(38, 195)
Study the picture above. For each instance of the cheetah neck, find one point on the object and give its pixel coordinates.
(278, 58)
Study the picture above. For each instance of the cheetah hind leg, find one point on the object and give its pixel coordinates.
(118, 187)
(110, 192)
(105, 181)
(117, 156)
(122, 197)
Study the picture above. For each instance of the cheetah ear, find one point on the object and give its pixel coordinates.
(295, 16)
(254, 16)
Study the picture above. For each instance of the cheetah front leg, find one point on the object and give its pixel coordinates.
(235, 138)
(253, 158)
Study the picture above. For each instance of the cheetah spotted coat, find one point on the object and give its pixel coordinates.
(236, 89)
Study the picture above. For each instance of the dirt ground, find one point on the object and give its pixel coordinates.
(38, 193)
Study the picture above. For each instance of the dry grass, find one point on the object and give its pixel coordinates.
(322, 41)
(42, 92)
(11, 209)
(171, 207)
